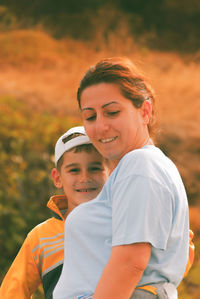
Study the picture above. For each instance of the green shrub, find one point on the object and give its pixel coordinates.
(26, 158)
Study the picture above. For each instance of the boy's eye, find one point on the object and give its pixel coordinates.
(95, 169)
(74, 170)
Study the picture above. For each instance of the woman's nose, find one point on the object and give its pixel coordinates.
(101, 124)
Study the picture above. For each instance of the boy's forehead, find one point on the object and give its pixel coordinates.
(91, 155)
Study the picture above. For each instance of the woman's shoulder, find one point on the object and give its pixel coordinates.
(148, 161)
(142, 155)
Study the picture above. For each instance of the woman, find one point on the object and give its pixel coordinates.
(135, 233)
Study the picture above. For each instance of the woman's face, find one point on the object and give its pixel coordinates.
(113, 124)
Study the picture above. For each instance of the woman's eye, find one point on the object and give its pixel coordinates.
(113, 113)
(90, 118)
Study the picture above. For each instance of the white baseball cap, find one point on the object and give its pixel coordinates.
(62, 146)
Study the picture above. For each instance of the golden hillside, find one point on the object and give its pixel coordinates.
(44, 73)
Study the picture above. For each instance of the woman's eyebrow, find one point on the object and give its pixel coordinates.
(110, 103)
(103, 106)
(87, 108)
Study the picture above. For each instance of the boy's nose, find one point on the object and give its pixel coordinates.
(85, 176)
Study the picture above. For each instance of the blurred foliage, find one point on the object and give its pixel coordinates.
(159, 24)
(184, 151)
(190, 286)
(34, 47)
(26, 159)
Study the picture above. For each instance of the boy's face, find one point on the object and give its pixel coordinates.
(82, 176)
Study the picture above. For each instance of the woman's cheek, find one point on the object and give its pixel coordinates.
(89, 130)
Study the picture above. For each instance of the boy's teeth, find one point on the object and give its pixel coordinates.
(85, 190)
(89, 189)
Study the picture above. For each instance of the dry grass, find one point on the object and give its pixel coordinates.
(195, 219)
(46, 72)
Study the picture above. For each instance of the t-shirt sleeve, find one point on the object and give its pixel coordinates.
(141, 211)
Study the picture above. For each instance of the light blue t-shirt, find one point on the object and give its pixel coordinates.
(144, 200)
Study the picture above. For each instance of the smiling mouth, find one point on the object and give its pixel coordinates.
(86, 190)
(107, 140)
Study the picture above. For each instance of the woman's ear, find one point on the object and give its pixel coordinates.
(56, 177)
(146, 110)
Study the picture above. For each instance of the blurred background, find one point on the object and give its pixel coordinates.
(45, 48)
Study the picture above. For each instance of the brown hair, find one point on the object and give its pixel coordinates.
(121, 71)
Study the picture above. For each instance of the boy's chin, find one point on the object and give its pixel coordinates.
(86, 197)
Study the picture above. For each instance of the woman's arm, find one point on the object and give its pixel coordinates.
(123, 271)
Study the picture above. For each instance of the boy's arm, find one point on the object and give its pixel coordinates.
(191, 253)
(22, 279)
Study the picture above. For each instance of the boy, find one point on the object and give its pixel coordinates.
(81, 171)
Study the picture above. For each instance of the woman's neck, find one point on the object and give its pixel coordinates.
(148, 141)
